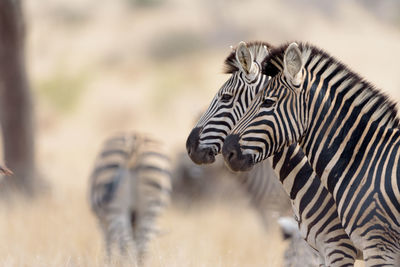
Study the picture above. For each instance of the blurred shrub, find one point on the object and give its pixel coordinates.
(168, 84)
(176, 44)
(61, 90)
(144, 3)
(68, 14)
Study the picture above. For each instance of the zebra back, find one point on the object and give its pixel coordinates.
(152, 168)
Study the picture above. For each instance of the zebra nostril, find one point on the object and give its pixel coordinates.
(231, 149)
(211, 153)
(232, 155)
(189, 150)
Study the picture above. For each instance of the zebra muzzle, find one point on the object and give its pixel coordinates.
(233, 156)
(199, 154)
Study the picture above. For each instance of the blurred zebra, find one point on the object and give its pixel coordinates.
(192, 182)
(298, 253)
(129, 186)
(264, 190)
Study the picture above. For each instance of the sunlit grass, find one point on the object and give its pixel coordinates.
(61, 231)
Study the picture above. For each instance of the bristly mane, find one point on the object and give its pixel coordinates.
(257, 49)
(273, 64)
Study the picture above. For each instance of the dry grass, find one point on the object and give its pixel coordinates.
(49, 232)
(217, 236)
(62, 232)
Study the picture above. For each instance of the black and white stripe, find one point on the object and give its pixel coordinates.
(313, 205)
(206, 139)
(349, 132)
(129, 186)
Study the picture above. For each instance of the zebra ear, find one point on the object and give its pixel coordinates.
(293, 64)
(244, 57)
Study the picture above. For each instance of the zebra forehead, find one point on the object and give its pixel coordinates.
(257, 48)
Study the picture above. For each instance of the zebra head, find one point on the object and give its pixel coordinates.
(276, 117)
(231, 101)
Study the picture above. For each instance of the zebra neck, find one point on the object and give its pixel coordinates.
(294, 171)
(343, 113)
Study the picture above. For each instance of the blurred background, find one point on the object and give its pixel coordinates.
(97, 67)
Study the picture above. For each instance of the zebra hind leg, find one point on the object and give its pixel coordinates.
(144, 229)
(107, 240)
(126, 242)
(120, 246)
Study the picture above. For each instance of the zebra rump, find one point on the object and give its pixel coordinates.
(129, 186)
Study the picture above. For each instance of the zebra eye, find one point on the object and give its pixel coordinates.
(225, 98)
(268, 103)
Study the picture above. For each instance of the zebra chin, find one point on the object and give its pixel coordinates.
(199, 155)
(233, 156)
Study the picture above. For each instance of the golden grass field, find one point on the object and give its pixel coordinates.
(60, 231)
(100, 67)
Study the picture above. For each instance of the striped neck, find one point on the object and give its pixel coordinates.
(342, 111)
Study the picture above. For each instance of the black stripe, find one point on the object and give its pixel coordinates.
(113, 151)
(152, 168)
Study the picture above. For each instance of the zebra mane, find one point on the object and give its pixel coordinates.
(273, 64)
(231, 65)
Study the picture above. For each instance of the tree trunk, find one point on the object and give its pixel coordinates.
(16, 111)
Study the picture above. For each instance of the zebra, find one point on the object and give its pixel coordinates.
(129, 186)
(348, 130)
(312, 204)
